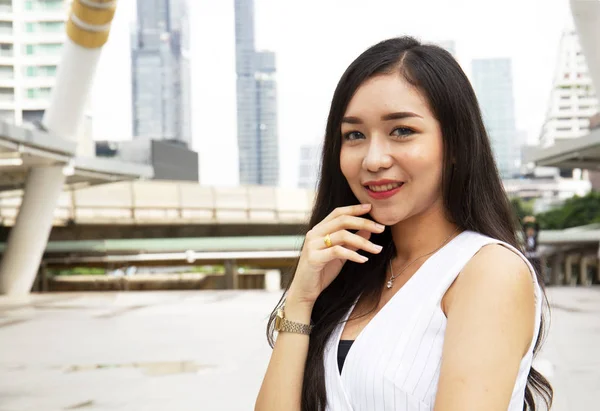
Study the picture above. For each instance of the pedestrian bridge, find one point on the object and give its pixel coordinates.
(172, 203)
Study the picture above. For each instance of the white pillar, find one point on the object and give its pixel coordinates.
(28, 237)
(583, 270)
(273, 280)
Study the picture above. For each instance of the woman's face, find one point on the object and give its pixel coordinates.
(389, 133)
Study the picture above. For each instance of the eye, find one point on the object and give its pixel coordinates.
(402, 132)
(353, 135)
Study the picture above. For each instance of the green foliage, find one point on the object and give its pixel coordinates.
(522, 208)
(77, 271)
(208, 269)
(576, 211)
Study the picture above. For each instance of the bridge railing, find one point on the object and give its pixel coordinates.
(174, 202)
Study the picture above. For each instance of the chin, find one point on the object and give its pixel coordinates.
(386, 218)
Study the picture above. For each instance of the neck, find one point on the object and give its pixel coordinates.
(422, 234)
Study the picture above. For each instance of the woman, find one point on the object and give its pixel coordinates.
(411, 257)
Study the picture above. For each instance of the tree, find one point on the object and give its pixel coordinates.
(576, 211)
(522, 208)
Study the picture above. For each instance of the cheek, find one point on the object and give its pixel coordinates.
(348, 163)
(423, 160)
(424, 163)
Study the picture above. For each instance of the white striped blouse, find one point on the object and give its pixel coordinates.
(394, 363)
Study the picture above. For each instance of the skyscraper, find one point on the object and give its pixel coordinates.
(256, 103)
(573, 99)
(266, 108)
(492, 81)
(160, 71)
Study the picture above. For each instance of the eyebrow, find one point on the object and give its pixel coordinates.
(387, 117)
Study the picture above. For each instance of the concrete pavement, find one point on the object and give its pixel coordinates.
(207, 350)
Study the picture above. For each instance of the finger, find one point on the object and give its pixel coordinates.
(356, 209)
(329, 254)
(347, 222)
(350, 241)
(360, 233)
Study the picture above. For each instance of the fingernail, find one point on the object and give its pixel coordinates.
(379, 226)
(362, 257)
(377, 247)
(365, 206)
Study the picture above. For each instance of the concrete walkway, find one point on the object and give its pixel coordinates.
(206, 350)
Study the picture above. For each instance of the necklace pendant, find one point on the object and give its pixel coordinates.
(389, 284)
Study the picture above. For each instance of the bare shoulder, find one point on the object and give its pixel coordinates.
(497, 281)
(499, 268)
(494, 269)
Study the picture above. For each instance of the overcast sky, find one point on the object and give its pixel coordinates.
(315, 40)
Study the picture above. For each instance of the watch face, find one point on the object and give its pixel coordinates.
(278, 319)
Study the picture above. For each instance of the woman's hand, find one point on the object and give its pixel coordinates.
(319, 264)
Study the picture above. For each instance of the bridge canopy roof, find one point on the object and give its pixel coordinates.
(582, 152)
(23, 148)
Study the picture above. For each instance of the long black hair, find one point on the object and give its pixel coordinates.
(473, 193)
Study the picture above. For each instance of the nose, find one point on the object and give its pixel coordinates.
(378, 155)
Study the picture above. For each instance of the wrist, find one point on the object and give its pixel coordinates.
(293, 298)
(298, 310)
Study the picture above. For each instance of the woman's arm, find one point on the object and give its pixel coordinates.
(282, 386)
(491, 314)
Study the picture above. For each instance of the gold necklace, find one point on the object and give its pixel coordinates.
(390, 282)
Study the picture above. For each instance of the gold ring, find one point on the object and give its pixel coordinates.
(327, 240)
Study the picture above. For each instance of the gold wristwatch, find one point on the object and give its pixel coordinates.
(282, 324)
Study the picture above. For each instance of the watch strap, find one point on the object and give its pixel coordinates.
(294, 327)
(282, 324)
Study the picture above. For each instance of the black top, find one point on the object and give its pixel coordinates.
(343, 349)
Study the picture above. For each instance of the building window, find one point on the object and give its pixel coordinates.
(52, 26)
(6, 27)
(50, 71)
(42, 71)
(45, 27)
(40, 92)
(44, 5)
(50, 49)
(6, 50)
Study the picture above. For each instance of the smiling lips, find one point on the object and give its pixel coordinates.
(383, 189)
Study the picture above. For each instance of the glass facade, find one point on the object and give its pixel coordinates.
(493, 84)
(159, 105)
(256, 104)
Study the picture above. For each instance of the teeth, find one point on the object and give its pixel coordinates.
(387, 187)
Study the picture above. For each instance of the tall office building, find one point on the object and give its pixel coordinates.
(266, 108)
(32, 34)
(310, 165)
(492, 81)
(256, 104)
(573, 99)
(160, 71)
